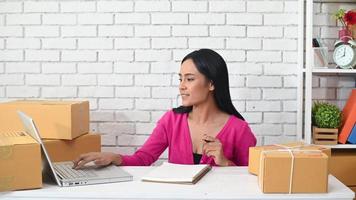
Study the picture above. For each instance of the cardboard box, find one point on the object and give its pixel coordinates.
(307, 172)
(353, 188)
(68, 150)
(343, 165)
(54, 119)
(254, 153)
(20, 162)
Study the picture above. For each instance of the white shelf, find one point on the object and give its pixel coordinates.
(307, 72)
(334, 1)
(342, 146)
(332, 71)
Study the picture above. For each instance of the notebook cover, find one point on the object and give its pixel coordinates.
(352, 137)
(349, 117)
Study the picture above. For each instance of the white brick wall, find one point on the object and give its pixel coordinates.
(169, 18)
(11, 55)
(10, 7)
(42, 31)
(78, 31)
(23, 19)
(115, 104)
(34, 7)
(59, 92)
(11, 31)
(42, 55)
(114, 6)
(59, 43)
(2, 68)
(22, 67)
(94, 91)
(43, 79)
(23, 43)
(79, 55)
(124, 56)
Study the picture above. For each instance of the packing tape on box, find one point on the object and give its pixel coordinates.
(289, 147)
(290, 150)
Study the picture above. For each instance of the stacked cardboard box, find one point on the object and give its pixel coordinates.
(290, 168)
(20, 162)
(64, 127)
(65, 150)
(54, 119)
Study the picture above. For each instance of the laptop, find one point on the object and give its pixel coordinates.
(63, 173)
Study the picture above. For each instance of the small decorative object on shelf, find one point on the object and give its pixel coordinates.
(326, 119)
(320, 58)
(345, 53)
(348, 21)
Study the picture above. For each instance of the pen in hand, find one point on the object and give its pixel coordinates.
(207, 141)
(207, 138)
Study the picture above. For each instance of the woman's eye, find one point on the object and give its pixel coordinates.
(180, 80)
(190, 79)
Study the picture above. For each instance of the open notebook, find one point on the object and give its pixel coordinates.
(177, 173)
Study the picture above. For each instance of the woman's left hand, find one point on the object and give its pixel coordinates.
(213, 147)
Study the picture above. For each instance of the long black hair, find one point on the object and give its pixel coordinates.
(213, 67)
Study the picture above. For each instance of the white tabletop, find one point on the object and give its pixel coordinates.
(219, 183)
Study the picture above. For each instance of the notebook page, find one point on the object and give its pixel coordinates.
(169, 172)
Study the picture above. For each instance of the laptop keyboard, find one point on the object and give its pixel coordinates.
(66, 170)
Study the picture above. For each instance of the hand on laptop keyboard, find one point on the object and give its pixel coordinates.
(97, 158)
(90, 164)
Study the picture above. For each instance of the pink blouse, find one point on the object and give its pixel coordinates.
(172, 131)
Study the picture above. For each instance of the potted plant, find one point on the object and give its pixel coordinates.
(348, 21)
(326, 119)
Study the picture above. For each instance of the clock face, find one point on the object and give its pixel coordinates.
(344, 56)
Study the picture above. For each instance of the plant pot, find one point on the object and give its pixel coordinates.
(344, 35)
(325, 136)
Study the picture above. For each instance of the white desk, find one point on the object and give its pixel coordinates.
(219, 183)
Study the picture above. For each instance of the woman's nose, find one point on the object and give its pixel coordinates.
(182, 85)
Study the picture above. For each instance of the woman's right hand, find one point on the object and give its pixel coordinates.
(99, 159)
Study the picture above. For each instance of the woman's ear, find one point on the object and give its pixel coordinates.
(211, 86)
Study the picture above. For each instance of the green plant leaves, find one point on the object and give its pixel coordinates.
(326, 115)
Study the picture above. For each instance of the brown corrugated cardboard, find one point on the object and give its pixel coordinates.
(54, 119)
(20, 162)
(254, 152)
(343, 166)
(67, 150)
(353, 188)
(307, 171)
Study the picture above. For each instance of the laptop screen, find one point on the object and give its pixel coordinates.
(32, 130)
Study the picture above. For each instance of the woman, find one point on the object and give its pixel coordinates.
(205, 129)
